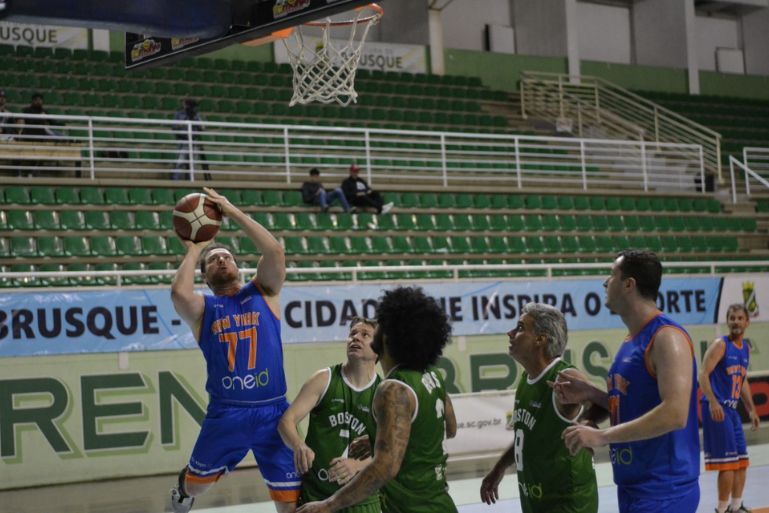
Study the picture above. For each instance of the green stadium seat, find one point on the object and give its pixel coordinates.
(613, 204)
(532, 223)
(153, 245)
(565, 202)
(584, 223)
(76, 246)
(425, 222)
(48, 247)
(642, 204)
(465, 200)
(359, 245)
(146, 220)
(116, 196)
(481, 222)
(445, 200)
(46, 220)
(549, 202)
(534, 245)
(533, 201)
(550, 223)
(318, 246)
(122, 220)
(597, 203)
(103, 246)
(582, 203)
(91, 196)
(600, 223)
(67, 196)
(272, 198)
(627, 203)
(567, 222)
(283, 221)
(551, 244)
(406, 222)
(516, 201)
(295, 246)
(408, 200)
(586, 244)
(497, 201)
(163, 197)
(174, 246)
(20, 220)
(17, 196)
(23, 247)
(140, 196)
(428, 200)
(42, 195)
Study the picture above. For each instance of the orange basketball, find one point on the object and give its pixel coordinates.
(197, 218)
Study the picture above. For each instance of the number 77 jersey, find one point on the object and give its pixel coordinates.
(240, 340)
(549, 478)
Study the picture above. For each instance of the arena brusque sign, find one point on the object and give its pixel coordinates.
(117, 320)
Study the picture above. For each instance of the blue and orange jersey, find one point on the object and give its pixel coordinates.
(240, 339)
(729, 374)
(660, 467)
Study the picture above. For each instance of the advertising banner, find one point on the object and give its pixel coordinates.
(111, 320)
(43, 35)
(752, 290)
(484, 423)
(374, 56)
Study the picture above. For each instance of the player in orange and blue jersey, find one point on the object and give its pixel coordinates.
(651, 398)
(238, 331)
(723, 384)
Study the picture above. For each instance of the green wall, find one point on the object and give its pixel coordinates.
(498, 70)
(640, 78)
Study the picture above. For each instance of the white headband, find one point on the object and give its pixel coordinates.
(216, 251)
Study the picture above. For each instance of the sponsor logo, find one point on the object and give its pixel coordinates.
(363, 408)
(749, 297)
(535, 404)
(247, 382)
(533, 490)
(285, 7)
(181, 42)
(337, 400)
(145, 49)
(621, 456)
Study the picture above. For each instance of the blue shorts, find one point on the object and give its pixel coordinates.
(724, 442)
(686, 503)
(229, 432)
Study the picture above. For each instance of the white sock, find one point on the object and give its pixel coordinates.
(722, 505)
(736, 503)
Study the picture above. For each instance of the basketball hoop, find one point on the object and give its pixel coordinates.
(326, 73)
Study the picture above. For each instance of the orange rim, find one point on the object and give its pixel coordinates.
(378, 13)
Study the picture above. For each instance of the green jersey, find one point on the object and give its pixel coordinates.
(420, 486)
(549, 478)
(342, 414)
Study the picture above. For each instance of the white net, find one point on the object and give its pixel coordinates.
(324, 69)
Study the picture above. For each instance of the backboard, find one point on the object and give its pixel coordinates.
(250, 20)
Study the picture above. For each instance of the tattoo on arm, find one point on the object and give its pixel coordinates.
(393, 406)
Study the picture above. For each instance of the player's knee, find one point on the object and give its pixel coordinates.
(192, 485)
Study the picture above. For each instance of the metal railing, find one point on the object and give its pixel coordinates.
(748, 173)
(452, 272)
(106, 147)
(544, 94)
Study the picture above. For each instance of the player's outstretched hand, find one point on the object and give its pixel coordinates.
(303, 458)
(343, 469)
(580, 436)
(314, 507)
(360, 448)
(490, 485)
(569, 390)
(224, 204)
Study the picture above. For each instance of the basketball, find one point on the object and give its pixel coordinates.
(197, 218)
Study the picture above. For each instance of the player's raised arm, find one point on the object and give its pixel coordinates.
(271, 270)
(187, 303)
(451, 418)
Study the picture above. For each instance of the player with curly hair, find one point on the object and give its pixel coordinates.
(412, 410)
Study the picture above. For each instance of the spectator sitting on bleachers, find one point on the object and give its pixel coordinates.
(39, 129)
(313, 193)
(359, 194)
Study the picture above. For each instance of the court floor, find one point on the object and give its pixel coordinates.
(243, 491)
